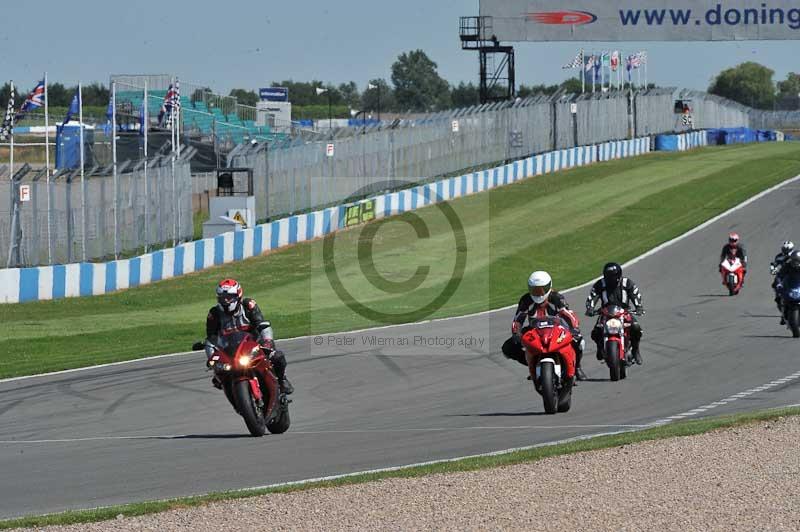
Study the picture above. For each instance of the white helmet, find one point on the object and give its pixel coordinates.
(787, 247)
(540, 285)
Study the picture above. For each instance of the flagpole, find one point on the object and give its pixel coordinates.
(172, 128)
(47, 170)
(11, 132)
(602, 71)
(177, 109)
(594, 71)
(145, 124)
(84, 220)
(114, 166)
(583, 72)
(639, 77)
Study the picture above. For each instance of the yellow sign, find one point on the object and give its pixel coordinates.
(238, 218)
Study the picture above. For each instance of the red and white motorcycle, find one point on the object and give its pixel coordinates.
(732, 271)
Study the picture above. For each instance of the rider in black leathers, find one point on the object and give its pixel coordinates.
(234, 313)
(776, 268)
(618, 290)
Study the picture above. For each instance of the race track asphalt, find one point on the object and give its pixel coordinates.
(157, 429)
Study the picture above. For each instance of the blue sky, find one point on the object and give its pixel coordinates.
(248, 43)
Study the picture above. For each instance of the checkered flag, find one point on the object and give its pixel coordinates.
(6, 129)
(575, 63)
(175, 103)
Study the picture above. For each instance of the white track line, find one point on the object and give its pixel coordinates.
(322, 432)
(438, 320)
(727, 400)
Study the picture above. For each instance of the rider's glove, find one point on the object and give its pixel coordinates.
(209, 349)
(640, 311)
(515, 327)
(267, 344)
(773, 269)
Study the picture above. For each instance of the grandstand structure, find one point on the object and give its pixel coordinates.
(205, 116)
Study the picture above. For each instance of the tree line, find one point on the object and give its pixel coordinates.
(416, 86)
(752, 84)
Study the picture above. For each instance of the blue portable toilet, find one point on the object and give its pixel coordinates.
(68, 146)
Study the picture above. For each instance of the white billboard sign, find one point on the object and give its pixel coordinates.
(642, 20)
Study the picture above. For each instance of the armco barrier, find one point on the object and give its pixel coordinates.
(682, 142)
(91, 279)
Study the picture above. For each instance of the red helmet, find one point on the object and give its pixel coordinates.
(733, 239)
(229, 295)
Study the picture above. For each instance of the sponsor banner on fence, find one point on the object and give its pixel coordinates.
(651, 20)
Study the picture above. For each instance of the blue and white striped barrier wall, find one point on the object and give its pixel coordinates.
(681, 142)
(91, 279)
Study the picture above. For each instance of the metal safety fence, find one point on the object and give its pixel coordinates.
(443, 143)
(99, 221)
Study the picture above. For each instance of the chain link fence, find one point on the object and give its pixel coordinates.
(149, 207)
(781, 120)
(57, 236)
(440, 144)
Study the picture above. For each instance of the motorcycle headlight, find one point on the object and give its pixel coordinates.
(244, 361)
(614, 326)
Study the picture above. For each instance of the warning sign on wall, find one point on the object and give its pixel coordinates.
(244, 217)
(25, 193)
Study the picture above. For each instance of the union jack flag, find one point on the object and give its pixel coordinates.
(6, 129)
(170, 105)
(34, 100)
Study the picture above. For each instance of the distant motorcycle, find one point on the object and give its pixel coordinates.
(551, 358)
(615, 322)
(244, 371)
(789, 292)
(732, 271)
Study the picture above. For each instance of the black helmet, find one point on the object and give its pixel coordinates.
(612, 275)
(794, 260)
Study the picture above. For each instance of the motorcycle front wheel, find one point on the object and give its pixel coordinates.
(547, 377)
(247, 408)
(612, 359)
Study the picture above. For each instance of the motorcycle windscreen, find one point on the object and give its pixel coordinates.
(230, 342)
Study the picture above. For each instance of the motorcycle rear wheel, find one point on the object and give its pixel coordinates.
(549, 392)
(281, 423)
(794, 322)
(252, 418)
(612, 359)
(565, 401)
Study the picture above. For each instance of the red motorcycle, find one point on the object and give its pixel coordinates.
(615, 322)
(551, 362)
(732, 271)
(244, 372)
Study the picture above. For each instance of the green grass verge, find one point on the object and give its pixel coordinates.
(568, 223)
(679, 429)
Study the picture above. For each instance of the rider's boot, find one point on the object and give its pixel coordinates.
(578, 357)
(216, 382)
(637, 356)
(286, 386)
(779, 303)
